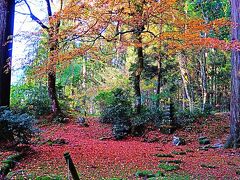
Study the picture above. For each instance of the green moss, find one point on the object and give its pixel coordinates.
(208, 166)
(164, 155)
(203, 141)
(144, 173)
(179, 152)
(238, 172)
(168, 167)
(159, 174)
(171, 161)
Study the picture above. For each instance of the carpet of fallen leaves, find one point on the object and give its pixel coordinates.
(96, 154)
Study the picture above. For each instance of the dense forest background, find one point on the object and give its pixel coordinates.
(196, 79)
(163, 72)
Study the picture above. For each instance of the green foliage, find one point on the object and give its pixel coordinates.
(116, 109)
(32, 97)
(9, 163)
(16, 127)
(115, 106)
(147, 116)
(186, 117)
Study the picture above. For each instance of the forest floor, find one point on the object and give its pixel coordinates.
(97, 155)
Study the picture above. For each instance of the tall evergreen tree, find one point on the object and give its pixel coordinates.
(234, 138)
(7, 8)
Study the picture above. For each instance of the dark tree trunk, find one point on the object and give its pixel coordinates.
(53, 93)
(7, 8)
(234, 138)
(137, 75)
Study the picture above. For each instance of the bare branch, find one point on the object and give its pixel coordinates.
(26, 14)
(34, 18)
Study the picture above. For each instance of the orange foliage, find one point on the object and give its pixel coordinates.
(93, 24)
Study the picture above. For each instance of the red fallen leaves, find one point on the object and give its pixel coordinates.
(95, 158)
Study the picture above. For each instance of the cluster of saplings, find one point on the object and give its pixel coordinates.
(117, 108)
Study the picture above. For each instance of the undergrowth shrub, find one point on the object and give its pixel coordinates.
(148, 116)
(185, 117)
(116, 109)
(33, 99)
(15, 127)
(115, 106)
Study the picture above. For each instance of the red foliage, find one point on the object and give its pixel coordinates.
(109, 158)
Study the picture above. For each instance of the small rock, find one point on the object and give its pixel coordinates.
(218, 144)
(82, 122)
(178, 141)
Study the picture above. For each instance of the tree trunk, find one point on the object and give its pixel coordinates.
(186, 80)
(202, 62)
(159, 77)
(234, 138)
(137, 75)
(7, 8)
(84, 84)
(53, 55)
(52, 91)
(53, 31)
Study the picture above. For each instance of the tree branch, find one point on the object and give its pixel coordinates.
(34, 18)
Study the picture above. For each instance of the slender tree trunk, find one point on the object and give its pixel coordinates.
(202, 62)
(186, 80)
(7, 8)
(234, 138)
(159, 77)
(137, 76)
(84, 83)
